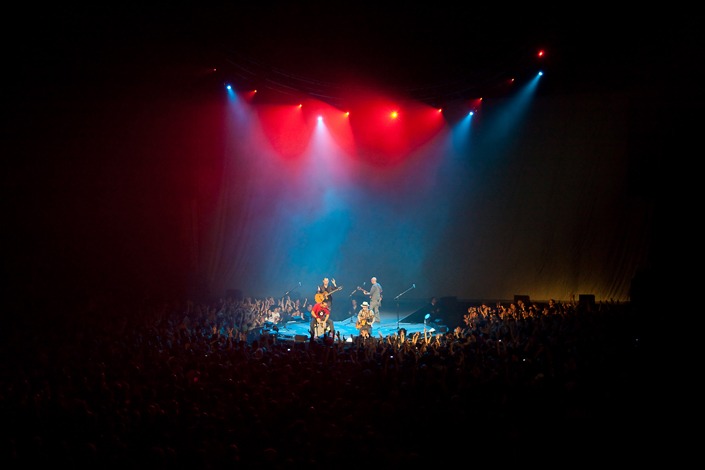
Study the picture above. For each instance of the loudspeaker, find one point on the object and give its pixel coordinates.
(300, 338)
(586, 300)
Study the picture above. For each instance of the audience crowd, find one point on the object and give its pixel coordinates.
(204, 385)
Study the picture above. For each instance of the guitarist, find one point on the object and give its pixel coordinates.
(365, 320)
(375, 294)
(325, 290)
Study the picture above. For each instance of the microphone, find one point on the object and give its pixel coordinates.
(413, 286)
(299, 283)
(428, 315)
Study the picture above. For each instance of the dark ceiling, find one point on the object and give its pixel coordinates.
(427, 51)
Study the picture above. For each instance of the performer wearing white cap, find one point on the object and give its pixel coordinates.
(365, 320)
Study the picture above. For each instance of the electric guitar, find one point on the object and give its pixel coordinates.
(367, 292)
(321, 296)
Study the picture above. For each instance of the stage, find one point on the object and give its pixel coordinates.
(391, 323)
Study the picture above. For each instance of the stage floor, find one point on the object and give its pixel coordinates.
(390, 325)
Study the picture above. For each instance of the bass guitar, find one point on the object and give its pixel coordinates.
(321, 296)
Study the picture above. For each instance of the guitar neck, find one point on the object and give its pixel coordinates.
(321, 296)
(334, 290)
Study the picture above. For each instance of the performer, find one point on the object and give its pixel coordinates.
(434, 308)
(353, 310)
(320, 315)
(375, 294)
(365, 320)
(325, 290)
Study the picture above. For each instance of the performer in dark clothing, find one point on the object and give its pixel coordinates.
(325, 292)
(353, 310)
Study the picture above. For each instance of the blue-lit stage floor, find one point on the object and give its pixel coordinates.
(390, 325)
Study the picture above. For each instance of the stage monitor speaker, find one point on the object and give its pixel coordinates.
(586, 300)
(524, 298)
(300, 338)
(439, 328)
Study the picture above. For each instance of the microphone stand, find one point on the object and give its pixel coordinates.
(413, 286)
(287, 292)
(353, 314)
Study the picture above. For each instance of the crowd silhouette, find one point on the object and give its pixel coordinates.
(204, 385)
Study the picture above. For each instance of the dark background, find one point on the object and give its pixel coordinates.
(97, 100)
